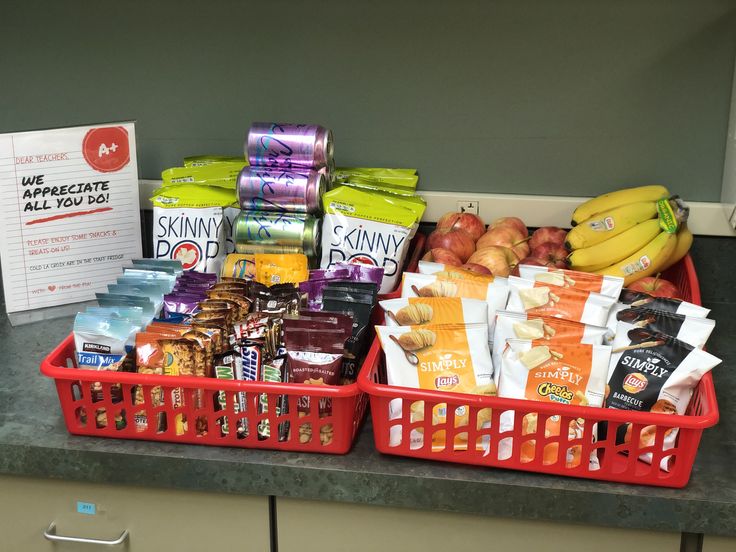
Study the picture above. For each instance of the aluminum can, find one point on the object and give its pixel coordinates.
(281, 190)
(271, 232)
(289, 145)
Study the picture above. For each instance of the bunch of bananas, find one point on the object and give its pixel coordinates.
(632, 233)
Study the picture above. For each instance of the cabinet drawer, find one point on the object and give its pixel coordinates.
(718, 544)
(305, 526)
(156, 519)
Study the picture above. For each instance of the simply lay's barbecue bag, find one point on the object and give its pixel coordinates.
(369, 227)
(189, 225)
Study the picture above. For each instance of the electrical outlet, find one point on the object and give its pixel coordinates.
(467, 207)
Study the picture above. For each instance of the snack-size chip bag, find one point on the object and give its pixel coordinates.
(560, 373)
(540, 330)
(630, 298)
(452, 358)
(493, 293)
(189, 226)
(605, 285)
(455, 272)
(652, 372)
(691, 330)
(417, 311)
(281, 268)
(369, 228)
(539, 298)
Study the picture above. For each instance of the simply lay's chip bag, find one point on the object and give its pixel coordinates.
(189, 225)
(369, 227)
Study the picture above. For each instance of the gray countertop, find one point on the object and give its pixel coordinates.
(34, 442)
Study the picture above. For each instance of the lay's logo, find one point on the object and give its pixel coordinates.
(635, 383)
(443, 382)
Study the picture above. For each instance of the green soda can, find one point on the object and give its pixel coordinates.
(276, 232)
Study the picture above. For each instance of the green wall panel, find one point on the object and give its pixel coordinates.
(562, 97)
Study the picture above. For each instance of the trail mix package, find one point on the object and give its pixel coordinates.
(691, 330)
(493, 293)
(540, 330)
(653, 372)
(605, 285)
(560, 373)
(416, 311)
(441, 358)
(538, 298)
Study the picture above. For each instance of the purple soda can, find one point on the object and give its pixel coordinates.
(289, 146)
(281, 189)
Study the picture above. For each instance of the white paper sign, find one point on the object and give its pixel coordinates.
(69, 211)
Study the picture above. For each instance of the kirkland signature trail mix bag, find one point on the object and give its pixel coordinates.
(366, 227)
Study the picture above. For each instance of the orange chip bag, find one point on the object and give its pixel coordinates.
(556, 372)
(291, 268)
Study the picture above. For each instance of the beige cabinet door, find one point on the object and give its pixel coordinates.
(157, 520)
(719, 544)
(305, 526)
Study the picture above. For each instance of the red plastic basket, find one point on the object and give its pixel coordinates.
(100, 404)
(483, 442)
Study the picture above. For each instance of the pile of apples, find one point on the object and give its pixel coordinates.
(462, 239)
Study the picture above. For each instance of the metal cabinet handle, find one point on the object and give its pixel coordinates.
(50, 534)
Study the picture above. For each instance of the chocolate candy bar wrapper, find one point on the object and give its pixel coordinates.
(275, 371)
(229, 367)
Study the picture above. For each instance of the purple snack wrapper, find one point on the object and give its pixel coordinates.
(198, 277)
(363, 273)
(180, 303)
(319, 278)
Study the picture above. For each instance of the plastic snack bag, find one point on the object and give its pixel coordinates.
(540, 330)
(653, 372)
(452, 358)
(370, 228)
(539, 298)
(691, 330)
(559, 373)
(417, 311)
(605, 285)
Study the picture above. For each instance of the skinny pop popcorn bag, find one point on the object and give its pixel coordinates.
(452, 358)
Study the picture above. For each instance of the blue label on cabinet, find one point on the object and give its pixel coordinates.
(86, 508)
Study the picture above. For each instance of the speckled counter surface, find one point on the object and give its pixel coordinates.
(34, 443)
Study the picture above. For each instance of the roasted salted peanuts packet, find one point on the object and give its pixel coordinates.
(653, 372)
(556, 372)
(540, 330)
(448, 357)
(416, 311)
(605, 285)
(540, 298)
(493, 293)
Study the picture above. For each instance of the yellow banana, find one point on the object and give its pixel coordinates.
(684, 241)
(619, 247)
(646, 261)
(618, 198)
(608, 224)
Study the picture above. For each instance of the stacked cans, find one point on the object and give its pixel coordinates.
(280, 192)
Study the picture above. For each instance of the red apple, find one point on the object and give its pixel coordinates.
(551, 254)
(506, 236)
(474, 267)
(656, 287)
(514, 222)
(444, 256)
(499, 260)
(457, 241)
(547, 234)
(469, 222)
